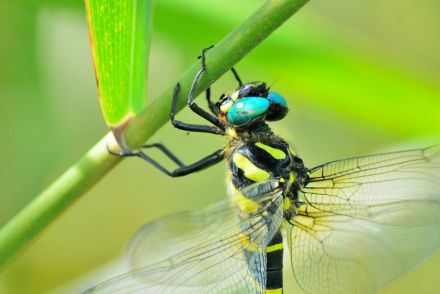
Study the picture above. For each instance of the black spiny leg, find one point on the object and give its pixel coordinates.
(237, 77)
(191, 127)
(193, 106)
(166, 151)
(218, 128)
(183, 169)
(212, 106)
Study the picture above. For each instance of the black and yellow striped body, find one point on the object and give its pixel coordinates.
(255, 161)
(274, 266)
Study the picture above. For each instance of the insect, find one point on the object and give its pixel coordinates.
(347, 226)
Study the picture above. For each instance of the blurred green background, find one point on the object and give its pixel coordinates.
(360, 77)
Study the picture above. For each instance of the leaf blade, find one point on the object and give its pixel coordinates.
(120, 40)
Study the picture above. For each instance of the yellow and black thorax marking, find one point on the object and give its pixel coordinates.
(251, 162)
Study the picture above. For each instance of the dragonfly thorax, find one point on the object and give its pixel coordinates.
(261, 163)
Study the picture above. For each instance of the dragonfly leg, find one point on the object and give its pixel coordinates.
(237, 77)
(212, 106)
(196, 108)
(184, 170)
(165, 151)
(193, 106)
(217, 129)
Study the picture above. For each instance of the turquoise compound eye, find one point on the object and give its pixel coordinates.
(278, 107)
(246, 111)
(277, 99)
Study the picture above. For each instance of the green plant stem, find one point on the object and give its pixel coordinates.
(88, 170)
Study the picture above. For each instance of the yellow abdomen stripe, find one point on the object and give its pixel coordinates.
(274, 247)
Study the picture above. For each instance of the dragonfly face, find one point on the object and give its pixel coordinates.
(349, 226)
(251, 105)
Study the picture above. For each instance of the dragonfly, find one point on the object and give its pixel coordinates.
(346, 226)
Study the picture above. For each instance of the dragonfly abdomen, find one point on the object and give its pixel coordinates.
(274, 267)
(253, 166)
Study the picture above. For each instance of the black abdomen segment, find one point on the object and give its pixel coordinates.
(274, 270)
(272, 279)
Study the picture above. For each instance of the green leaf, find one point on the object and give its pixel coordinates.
(120, 39)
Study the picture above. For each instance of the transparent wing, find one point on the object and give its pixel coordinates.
(365, 221)
(200, 252)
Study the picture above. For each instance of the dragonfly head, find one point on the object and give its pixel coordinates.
(250, 105)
